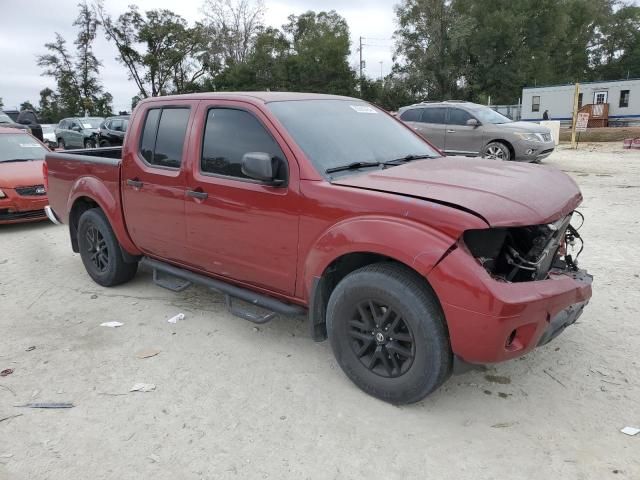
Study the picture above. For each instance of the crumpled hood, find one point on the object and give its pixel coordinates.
(21, 174)
(502, 193)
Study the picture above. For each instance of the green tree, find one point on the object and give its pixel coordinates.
(157, 47)
(616, 52)
(321, 48)
(429, 42)
(27, 105)
(79, 90)
(49, 106)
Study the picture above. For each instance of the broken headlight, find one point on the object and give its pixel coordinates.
(521, 254)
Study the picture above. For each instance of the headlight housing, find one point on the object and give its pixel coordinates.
(2, 194)
(531, 137)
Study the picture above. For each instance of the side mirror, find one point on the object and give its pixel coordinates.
(262, 166)
(472, 122)
(76, 128)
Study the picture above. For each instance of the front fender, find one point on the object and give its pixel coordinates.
(414, 244)
(101, 191)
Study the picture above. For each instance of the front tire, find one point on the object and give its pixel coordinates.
(388, 333)
(100, 250)
(61, 144)
(497, 151)
(89, 143)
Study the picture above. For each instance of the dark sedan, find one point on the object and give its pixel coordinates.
(112, 130)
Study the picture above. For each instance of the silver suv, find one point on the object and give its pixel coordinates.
(464, 128)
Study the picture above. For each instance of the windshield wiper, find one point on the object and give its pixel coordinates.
(352, 166)
(407, 158)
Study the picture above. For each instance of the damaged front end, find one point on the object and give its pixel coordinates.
(524, 254)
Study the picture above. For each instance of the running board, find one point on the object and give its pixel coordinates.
(230, 291)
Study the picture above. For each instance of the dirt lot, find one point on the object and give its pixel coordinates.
(235, 401)
(611, 134)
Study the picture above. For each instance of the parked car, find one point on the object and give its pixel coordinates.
(112, 130)
(464, 128)
(22, 193)
(49, 135)
(300, 203)
(78, 132)
(8, 121)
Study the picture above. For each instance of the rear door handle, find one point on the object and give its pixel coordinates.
(132, 182)
(451, 131)
(198, 194)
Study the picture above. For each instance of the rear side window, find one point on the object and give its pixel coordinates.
(228, 135)
(458, 116)
(163, 136)
(434, 115)
(412, 115)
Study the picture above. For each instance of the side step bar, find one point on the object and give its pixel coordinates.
(231, 291)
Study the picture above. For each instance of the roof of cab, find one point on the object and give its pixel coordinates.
(258, 97)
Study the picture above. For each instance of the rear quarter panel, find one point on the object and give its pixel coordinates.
(72, 177)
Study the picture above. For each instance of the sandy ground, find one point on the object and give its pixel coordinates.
(236, 401)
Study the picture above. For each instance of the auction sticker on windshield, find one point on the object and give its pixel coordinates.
(30, 145)
(363, 109)
(87, 125)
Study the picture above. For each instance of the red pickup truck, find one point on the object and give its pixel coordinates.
(411, 263)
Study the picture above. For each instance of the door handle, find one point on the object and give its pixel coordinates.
(451, 131)
(134, 182)
(197, 194)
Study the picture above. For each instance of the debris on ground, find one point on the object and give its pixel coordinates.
(10, 417)
(504, 425)
(154, 458)
(143, 387)
(498, 379)
(94, 296)
(47, 405)
(112, 324)
(148, 353)
(176, 318)
(631, 431)
(6, 371)
(30, 349)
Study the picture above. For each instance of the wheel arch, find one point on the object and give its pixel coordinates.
(506, 143)
(90, 192)
(417, 248)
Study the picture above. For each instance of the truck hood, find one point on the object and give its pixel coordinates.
(21, 174)
(501, 193)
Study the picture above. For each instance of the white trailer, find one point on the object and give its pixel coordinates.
(623, 97)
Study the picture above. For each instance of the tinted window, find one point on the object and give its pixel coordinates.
(170, 139)
(412, 115)
(116, 125)
(458, 116)
(148, 141)
(434, 115)
(229, 134)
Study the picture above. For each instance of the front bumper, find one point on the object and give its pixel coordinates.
(491, 321)
(527, 151)
(16, 208)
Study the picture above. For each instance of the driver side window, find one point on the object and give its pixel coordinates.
(457, 116)
(229, 135)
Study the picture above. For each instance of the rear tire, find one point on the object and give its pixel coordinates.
(399, 354)
(104, 143)
(497, 151)
(89, 143)
(100, 250)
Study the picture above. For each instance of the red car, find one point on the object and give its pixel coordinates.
(409, 262)
(22, 193)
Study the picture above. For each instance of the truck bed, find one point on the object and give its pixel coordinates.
(96, 168)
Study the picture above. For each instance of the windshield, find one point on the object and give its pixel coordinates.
(90, 122)
(20, 147)
(333, 133)
(4, 118)
(487, 115)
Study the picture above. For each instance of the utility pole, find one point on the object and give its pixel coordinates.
(576, 95)
(381, 74)
(360, 49)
